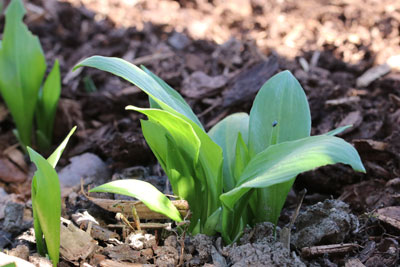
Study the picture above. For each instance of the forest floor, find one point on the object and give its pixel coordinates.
(217, 54)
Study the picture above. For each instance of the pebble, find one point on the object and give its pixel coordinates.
(87, 166)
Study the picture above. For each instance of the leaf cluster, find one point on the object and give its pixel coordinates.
(46, 201)
(22, 70)
(240, 172)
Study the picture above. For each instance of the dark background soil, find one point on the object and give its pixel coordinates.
(217, 54)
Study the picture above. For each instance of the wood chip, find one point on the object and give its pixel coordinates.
(342, 101)
(354, 263)
(111, 263)
(10, 173)
(369, 144)
(327, 249)
(389, 215)
(75, 244)
(354, 118)
(372, 74)
(17, 157)
(248, 81)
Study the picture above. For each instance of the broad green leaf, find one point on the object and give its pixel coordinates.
(191, 138)
(55, 156)
(225, 134)
(283, 162)
(145, 192)
(280, 113)
(47, 106)
(281, 102)
(338, 130)
(167, 98)
(46, 200)
(22, 66)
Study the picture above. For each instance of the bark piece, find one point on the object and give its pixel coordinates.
(390, 215)
(75, 244)
(354, 263)
(10, 173)
(122, 253)
(247, 83)
(372, 74)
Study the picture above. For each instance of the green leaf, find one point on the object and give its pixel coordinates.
(280, 101)
(225, 134)
(145, 192)
(281, 163)
(194, 149)
(47, 106)
(213, 223)
(22, 66)
(280, 113)
(55, 156)
(167, 98)
(46, 200)
(339, 130)
(242, 157)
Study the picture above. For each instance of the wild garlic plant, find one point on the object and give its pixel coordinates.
(240, 172)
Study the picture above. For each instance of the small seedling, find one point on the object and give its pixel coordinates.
(240, 172)
(46, 201)
(22, 69)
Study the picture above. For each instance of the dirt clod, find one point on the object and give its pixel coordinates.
(258, 247)
(328, 222)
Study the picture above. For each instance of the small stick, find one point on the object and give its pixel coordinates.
(285, 233)
(136, 218)
(328, 249)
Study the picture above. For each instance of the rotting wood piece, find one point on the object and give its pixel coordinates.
(354, 263)
(389, 215)
(327, 249)
(125, 207)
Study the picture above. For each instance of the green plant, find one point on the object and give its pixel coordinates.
(242, 170)
(22, 69)
(46, 201)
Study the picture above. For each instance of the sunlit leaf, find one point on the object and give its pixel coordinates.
(283, 162)
(145, 192)
(167, 98)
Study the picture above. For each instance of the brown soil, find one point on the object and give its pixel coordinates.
(209, 51)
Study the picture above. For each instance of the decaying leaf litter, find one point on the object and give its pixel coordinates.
(327, 50)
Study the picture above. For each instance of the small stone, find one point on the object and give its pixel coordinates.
(87, 166)
(178, 40)
(5, 239)
(38, 260)
(21, 251)
(139, 241)
(147, 253)
(14, 215)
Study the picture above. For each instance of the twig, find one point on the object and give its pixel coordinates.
(328, 249)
